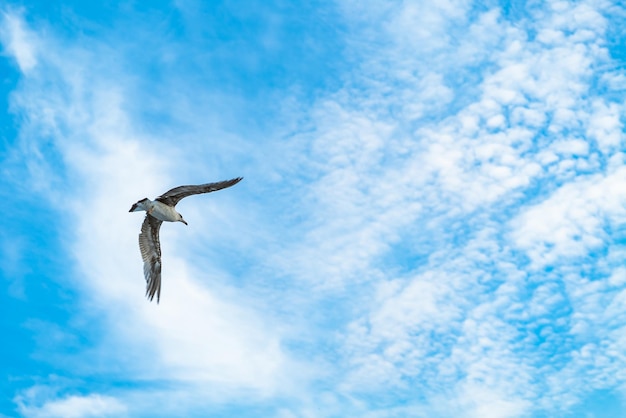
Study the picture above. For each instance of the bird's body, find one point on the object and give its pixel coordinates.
(163, 209)
(157, 209)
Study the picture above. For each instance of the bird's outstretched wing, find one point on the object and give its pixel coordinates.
(151, 255)
(172, 197)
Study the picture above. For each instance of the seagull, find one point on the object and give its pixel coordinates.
(159, 210)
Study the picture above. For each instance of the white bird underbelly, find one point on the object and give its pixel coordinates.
(162, 212)
(159, 210)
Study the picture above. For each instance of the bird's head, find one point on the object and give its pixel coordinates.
(180, 219)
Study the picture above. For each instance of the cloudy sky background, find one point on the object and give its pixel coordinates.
(432, 221)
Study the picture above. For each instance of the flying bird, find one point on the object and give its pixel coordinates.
(159, 210)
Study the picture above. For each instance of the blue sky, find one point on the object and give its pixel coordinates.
(432, 221)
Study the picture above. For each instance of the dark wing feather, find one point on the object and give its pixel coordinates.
(151, 255)
(172, 197)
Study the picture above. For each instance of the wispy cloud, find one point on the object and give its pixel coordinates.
(92, 405)
(200, 333)
(17, 41)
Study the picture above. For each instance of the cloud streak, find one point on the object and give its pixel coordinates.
(203, 336)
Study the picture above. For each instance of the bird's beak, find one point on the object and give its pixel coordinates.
(185, 222)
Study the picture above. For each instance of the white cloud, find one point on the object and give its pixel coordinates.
(471, 320)
(47, 401)
(18, 41)
(570, 222)
(93, 405)
(378, 170)
(203, 333)
(605, 126)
